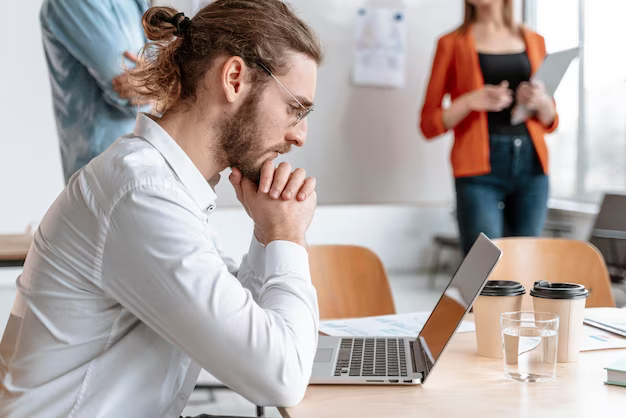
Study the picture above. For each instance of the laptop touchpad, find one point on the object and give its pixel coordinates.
(323, 355)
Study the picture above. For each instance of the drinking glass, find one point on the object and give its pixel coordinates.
(529, 345)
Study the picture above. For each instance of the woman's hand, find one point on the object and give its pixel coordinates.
(533, 96)
(490, 98)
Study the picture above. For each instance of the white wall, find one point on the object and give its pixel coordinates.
(364, 145)
(30, 168)
(30, 162)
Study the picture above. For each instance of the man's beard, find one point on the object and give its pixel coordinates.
(240, 138)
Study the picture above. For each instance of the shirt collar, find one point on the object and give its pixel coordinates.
(177, 159)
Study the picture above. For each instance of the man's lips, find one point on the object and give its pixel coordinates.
(276, 152)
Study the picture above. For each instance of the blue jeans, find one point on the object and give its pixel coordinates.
(509, 201)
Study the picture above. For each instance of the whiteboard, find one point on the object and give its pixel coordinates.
(364, 145)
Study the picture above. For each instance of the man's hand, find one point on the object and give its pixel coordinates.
(277, 218)
(282, 183)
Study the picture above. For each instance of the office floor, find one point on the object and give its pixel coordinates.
(411, 293)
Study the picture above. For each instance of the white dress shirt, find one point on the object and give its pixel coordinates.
(126, 294)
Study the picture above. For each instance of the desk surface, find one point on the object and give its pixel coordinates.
(466, 385)
(14, 247)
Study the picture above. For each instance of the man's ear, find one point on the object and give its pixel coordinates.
(233, 79)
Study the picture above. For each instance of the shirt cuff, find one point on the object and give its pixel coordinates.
(256, 257)
(286, 257)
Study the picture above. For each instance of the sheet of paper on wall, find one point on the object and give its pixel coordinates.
(380, 47)
(401, 325)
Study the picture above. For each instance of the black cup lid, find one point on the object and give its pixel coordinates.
(502, 288)
(547, 290)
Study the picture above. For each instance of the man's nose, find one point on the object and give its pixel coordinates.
(296, 135)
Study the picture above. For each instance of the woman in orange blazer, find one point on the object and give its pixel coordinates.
(500, 169)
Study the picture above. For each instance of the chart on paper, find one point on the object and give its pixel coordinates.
(598, 339)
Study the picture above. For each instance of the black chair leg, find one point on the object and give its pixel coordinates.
(260, 411)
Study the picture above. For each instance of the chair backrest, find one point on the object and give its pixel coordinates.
(350, 282)
(528, 260)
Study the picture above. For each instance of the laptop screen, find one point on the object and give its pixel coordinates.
(456, 300)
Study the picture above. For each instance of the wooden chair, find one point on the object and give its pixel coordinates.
(350, 282)
(528, 260)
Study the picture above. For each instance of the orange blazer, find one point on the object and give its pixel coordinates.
(456, 71)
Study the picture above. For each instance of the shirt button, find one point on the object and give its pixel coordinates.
(210, 208)
(183, 397)
(517, 142)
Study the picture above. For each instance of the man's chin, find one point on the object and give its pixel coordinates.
(254, 175)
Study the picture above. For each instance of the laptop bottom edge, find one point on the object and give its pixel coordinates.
(363, 381)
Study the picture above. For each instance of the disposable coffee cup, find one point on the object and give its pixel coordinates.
(497, 297)
(567, 300)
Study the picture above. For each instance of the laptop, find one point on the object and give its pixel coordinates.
(407, 360)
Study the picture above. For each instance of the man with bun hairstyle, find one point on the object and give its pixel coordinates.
(126, 293)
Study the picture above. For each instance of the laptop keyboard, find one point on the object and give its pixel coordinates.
(371, 357)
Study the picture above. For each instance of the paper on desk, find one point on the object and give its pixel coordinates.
(597, 339)
(401, 325)
(609, 319)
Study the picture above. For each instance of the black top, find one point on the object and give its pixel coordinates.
(502, 288)
(547, 290)
(497, 68)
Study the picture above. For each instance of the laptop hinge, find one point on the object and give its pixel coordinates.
(417, 359)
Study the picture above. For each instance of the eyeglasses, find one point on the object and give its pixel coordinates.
(305, 110)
